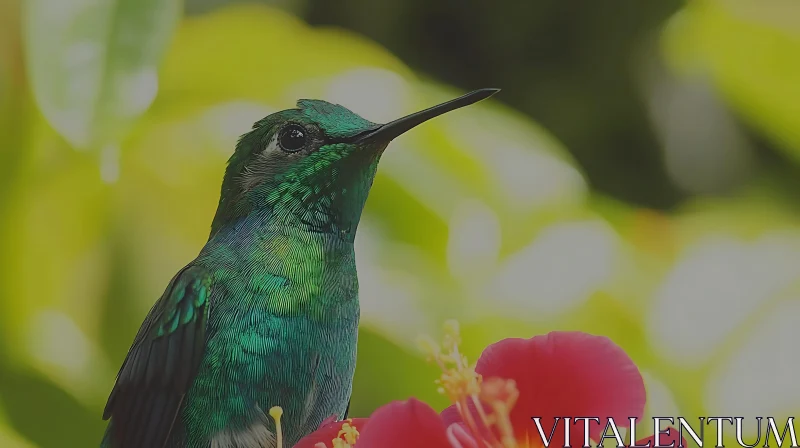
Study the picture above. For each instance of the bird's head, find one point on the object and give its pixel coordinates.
(313, 166)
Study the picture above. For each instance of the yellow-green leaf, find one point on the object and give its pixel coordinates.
(750, 50)
(93, 63)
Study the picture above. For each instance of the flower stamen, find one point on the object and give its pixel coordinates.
(276, 412)
(501, 395)
(463, 386)
(347, 436)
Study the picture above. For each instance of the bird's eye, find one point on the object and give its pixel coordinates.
(292, 138)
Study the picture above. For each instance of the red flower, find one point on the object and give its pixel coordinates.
(562, 374)
(402, 424)
(329, 431)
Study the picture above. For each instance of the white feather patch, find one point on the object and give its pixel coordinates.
(254, 173)
(256, 436)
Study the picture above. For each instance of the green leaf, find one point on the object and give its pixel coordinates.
(749, 49)
(93, 64)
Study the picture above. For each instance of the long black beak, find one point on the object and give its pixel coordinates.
(389, 131)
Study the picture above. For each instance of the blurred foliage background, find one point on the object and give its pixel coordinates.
(637, 177)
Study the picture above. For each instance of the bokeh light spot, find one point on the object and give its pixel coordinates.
(474, 241)
(761, 377)
(559, 270)
(714, 288)
(56, 340)
(375, 94)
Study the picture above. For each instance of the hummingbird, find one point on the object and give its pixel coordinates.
(267, 314)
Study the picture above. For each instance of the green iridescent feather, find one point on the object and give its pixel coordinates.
(267, 314)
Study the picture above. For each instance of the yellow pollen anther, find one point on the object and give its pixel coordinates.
(276, 412)
(471, 394)
(347, 436)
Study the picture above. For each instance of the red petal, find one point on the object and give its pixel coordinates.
(450, 415)
(327, 432)
(401, 424)
(566, 374)
(672, 436)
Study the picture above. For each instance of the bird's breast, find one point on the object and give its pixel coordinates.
(255, 360)
(289, 272)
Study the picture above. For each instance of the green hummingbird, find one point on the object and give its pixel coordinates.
(267, 314)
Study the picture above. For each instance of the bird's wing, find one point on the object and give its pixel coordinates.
(161, 364)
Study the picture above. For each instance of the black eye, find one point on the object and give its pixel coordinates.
(292, 138)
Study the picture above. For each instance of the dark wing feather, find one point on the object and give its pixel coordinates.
(161, 364)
